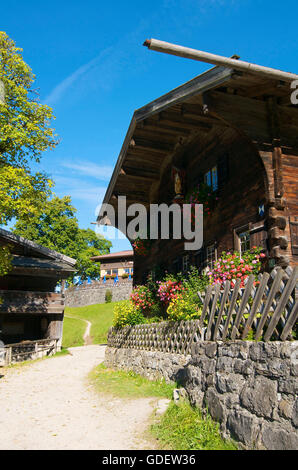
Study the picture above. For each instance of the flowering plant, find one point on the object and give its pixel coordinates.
(141, 246)
(169, 290)
(232, 266)
(182, 308)
(202, 194)
(142, 298)
(125, 313)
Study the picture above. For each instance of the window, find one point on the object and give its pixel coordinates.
(211, 178)
(108, 271)
(244, 241)
(210, 256)
(127, 271)
(185, 262)
(114, 271)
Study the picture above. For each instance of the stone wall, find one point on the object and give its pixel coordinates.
(95, 294)
(250, 388)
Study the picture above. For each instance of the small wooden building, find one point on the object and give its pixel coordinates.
(29, 307)
(115, 264)
(238, 131)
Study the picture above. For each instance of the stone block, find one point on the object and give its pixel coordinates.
(242, 427)
(276, 437)
(214, 405)
(261, 397)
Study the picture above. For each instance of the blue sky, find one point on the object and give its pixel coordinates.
(91, 68)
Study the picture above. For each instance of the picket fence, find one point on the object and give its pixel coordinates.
(265, 311)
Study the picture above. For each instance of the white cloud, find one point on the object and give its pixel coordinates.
(79, 189)
(63, 86)
(100, 172)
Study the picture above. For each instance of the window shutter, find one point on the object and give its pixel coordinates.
(294, 235)
(223, 170)
(258, 235)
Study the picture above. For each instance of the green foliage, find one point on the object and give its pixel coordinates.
(183, 427)
(22, 195)
(5, 260)
(57, 228)
(183, 308)
(25, 133)
(24, 122)
(126, 313)
(108, 296)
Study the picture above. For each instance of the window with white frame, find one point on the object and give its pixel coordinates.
(244, 241)
(210, 256)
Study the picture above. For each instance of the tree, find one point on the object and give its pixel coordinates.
(25, 133)
(24, 122)
(57, 228)
(21, 194)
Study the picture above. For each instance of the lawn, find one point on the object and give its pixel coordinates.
(73, 332)
(100, 316)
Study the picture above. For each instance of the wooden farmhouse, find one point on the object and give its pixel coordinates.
(29, 307)
(115, 264)
(237, 132)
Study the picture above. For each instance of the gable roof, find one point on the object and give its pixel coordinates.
(117, 254)
(22, 246)
(160, 127)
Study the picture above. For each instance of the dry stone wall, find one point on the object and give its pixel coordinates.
(249, 387)
(95, 294)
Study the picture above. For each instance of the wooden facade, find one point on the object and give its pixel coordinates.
(246, 127)
(29, 308)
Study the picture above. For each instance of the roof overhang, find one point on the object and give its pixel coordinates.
(221, 97)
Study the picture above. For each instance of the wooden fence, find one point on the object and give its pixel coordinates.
(266, 311)
(26, 350)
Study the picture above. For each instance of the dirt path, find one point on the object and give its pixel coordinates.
(50, 405)
(87, 338)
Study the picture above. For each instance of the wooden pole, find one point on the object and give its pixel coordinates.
(180, 51)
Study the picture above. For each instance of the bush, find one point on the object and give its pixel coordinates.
(169, 290)
(143, 299)
(108, 296)
(232, 266)
(125, 276)
(182, 307)
(126, 313)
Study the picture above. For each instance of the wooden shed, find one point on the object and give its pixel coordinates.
(239, 132)
(30, 309)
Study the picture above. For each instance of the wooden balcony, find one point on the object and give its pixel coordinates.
(35, 303)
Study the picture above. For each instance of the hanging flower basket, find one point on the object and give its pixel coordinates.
(202, 194)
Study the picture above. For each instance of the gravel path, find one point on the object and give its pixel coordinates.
(50, 405)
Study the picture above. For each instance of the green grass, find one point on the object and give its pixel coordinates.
(101, 317)
(127, 384)
(183, 427)
(73, 332)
